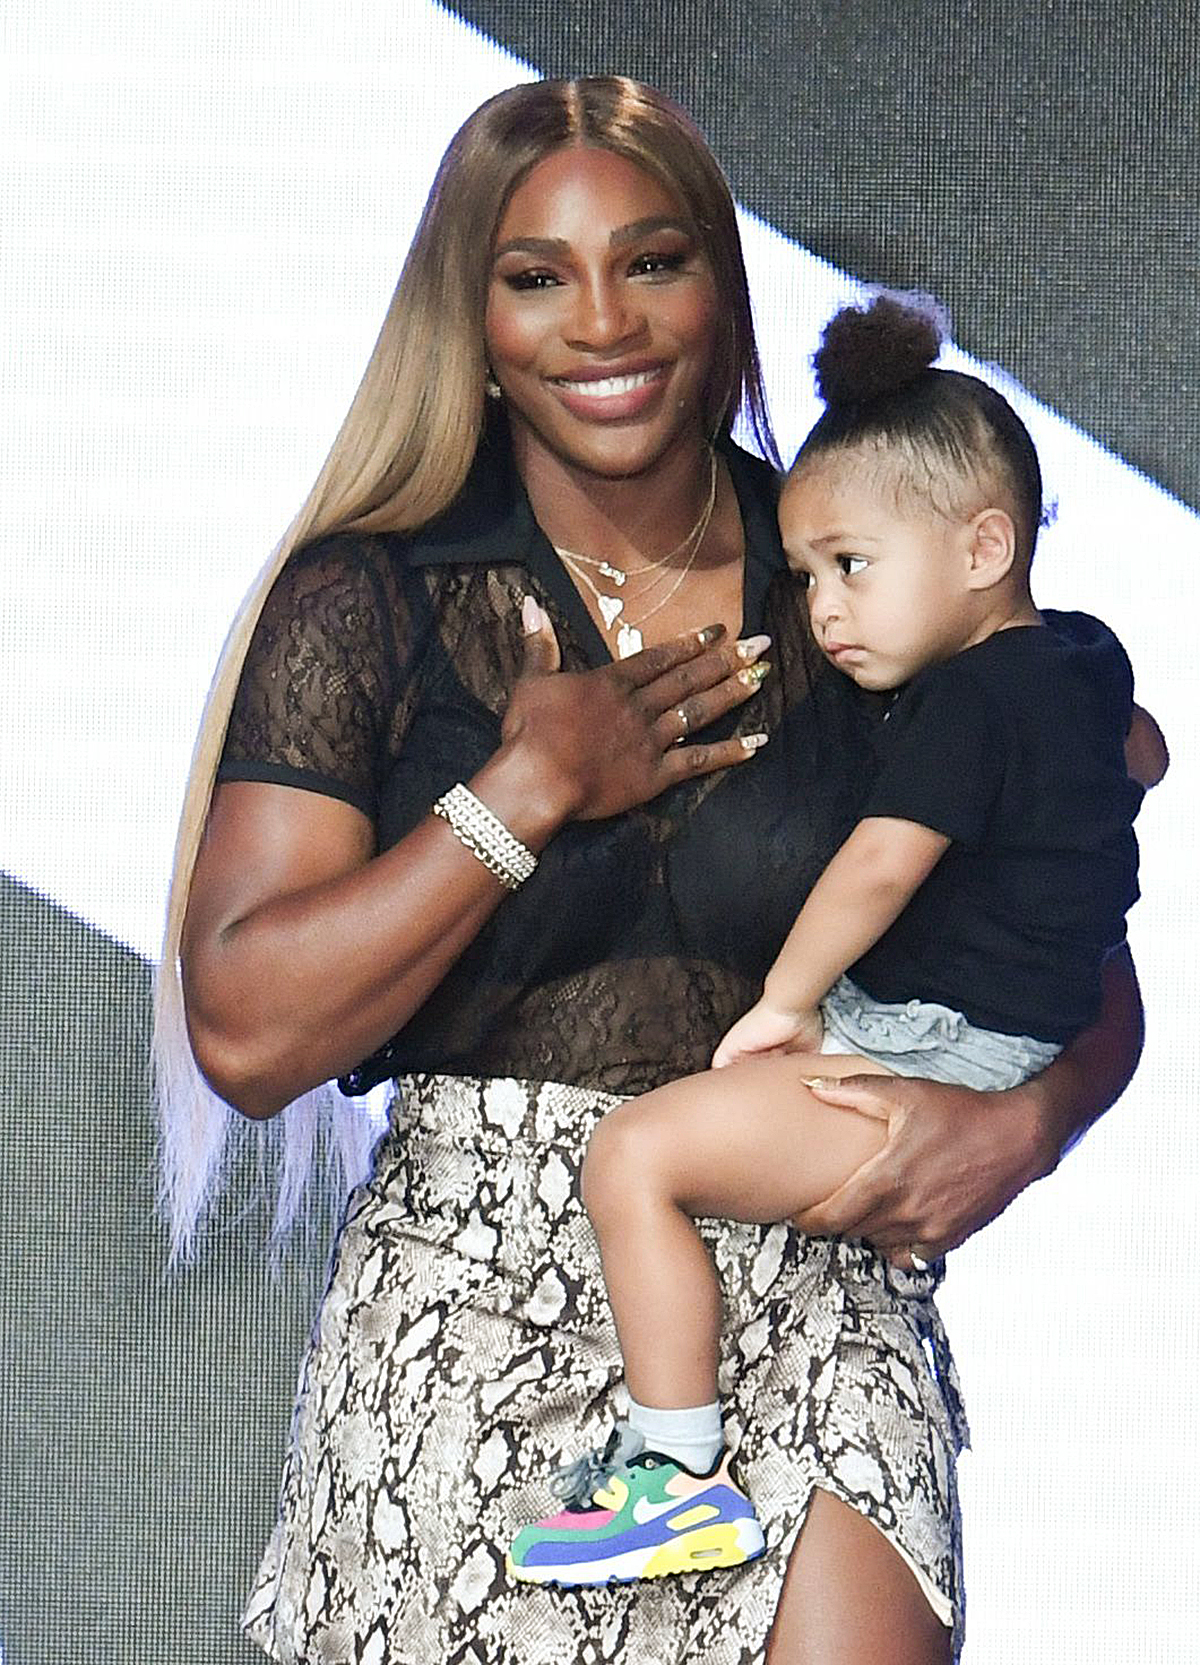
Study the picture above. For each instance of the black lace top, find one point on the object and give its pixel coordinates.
(379, 674)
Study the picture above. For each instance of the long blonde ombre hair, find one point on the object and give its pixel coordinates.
(400, 458)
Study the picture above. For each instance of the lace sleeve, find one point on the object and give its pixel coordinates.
(319, 688)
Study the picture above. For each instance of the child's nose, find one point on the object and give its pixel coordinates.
(823, 604)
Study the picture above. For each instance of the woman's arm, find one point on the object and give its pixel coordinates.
(1146, 756)
(955, 1159)
(304, 950)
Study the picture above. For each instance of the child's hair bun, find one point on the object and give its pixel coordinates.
(872, 350)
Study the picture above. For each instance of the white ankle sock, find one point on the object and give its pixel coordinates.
(691, 1436)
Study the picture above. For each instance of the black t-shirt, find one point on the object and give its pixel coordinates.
(1013, 749)
(379, 673)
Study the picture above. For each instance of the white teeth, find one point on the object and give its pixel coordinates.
(610, 385)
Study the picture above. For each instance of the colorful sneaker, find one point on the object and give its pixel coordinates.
(631, 1513)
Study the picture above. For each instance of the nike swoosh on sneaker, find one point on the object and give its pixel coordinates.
(643, 1510)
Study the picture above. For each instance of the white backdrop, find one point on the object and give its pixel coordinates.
(204, 210)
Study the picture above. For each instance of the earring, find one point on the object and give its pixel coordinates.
(492, 387)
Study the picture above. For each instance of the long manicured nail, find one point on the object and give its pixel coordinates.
(750, 647)
(752, 742)
(754, 675)
(816, 1080)
(531, 616)
(710, 634)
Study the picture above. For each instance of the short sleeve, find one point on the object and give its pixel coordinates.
(319, 686)
(942, 756)
(1096, 654)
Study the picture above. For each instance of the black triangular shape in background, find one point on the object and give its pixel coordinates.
(1034, 167)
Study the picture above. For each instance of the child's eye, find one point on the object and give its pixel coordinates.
(850, 564)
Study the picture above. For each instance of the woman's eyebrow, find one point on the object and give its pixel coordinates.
(557, 248)
(550, 247)
(647, 227)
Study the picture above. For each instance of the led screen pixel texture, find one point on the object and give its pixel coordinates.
(204, 215)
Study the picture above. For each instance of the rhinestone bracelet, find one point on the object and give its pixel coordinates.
(486, 836)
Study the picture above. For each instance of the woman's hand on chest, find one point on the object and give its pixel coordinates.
(603, 741)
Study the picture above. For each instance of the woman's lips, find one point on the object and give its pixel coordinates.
(613, 397)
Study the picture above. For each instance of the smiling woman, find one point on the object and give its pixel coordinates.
(601, 339)
(601, 332)
(437, 834)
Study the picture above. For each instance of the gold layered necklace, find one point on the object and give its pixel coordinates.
(628, 631)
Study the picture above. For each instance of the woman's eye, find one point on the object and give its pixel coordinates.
(530, 280)
(657, 265)
(850, 564)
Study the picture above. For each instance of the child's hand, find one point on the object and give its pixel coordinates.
(769, 1029)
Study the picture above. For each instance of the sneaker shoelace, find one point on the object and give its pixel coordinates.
(576, 1483)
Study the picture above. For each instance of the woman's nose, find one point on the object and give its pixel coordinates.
(605, 314)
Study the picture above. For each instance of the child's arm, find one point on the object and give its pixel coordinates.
(864, 889)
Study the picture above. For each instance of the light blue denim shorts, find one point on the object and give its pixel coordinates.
(918, 1037)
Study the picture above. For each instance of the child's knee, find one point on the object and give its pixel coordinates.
(602, 1165)
(619, 1158)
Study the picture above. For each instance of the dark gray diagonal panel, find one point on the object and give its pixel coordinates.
(142, 1417)
(1033, 165)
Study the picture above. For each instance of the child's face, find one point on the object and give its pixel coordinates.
(887, 587)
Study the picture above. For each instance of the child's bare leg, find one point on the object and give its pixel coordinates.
(745, 1143)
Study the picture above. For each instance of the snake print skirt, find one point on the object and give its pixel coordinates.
(464, 1347)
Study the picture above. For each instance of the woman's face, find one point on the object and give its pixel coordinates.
(601, 315)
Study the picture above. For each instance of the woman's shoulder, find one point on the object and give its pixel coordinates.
(344, 607)
(346, 555)
(348, 582)
(327, 675)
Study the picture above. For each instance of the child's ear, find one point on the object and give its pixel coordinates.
(992, 548)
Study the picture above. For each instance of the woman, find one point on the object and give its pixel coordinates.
(578, 260)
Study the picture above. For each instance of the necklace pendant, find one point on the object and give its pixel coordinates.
(613, 573)
(610, 606)
(629, 641)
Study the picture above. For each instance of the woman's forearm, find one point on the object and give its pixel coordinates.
(1146, 755)
(1093, 1070)
(956, 1158)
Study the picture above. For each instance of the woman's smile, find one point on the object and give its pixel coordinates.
(599, 394)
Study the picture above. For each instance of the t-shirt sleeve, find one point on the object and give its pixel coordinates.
(318, 689)
(1097, 653)
(941, 757)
